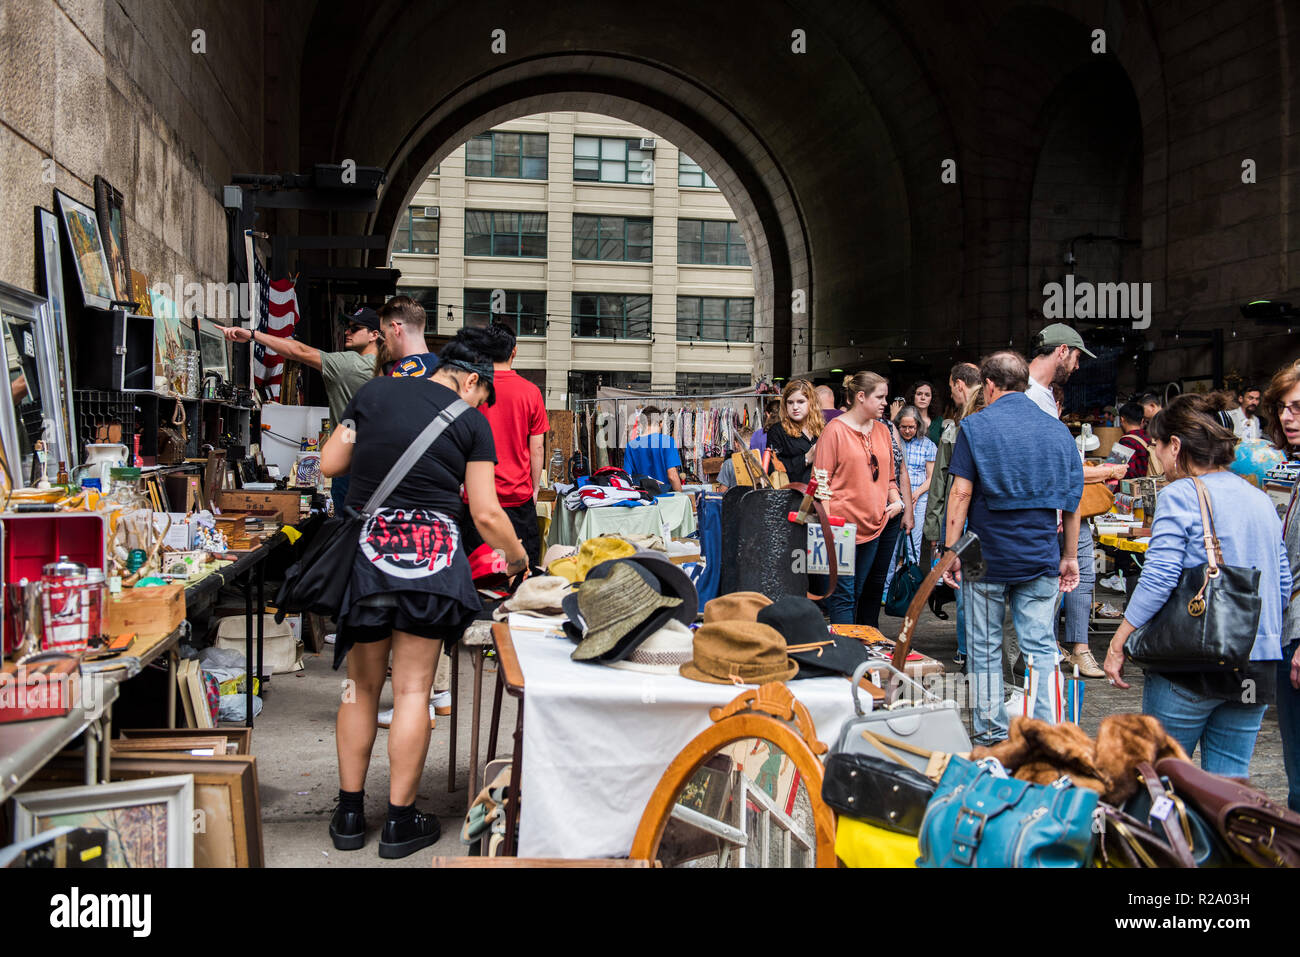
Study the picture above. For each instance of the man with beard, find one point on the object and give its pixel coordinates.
(1056, 352)
(1245, 423)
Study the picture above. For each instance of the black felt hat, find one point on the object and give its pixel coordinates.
(809, 641)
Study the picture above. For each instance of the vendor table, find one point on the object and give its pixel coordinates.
(249, 569)
(671, 513)
(598, 740)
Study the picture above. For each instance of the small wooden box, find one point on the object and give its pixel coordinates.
(285, 504)
(149, 612)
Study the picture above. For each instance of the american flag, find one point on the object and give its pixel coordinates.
(277, 315)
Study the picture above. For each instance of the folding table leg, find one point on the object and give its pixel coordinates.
(261, 617)
(516, 767)
(474, 728)
(173, 656)
(454, 654)
(248, 649)
(496, 716)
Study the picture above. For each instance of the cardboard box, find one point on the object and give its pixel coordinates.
(150, 612)
(284, 505)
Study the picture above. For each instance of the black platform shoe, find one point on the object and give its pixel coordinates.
(936, 608)
(348, 829)
(401, 840)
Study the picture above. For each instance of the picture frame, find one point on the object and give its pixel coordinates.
(110, 208)
(242, 738)
(31, 419)
(49, 258)
(214, 350)
(86, 248)
(173, 336)
(150, 822)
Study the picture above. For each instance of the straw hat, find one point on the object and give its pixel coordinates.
(671, 580)
(663, 653)
(743, 652)
(618, 609)
(736, 606)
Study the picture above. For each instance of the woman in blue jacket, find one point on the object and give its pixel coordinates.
(1222, 712)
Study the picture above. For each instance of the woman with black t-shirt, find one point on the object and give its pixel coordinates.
(793, 437)
(410, 588)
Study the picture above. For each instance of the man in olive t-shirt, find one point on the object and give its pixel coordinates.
(344, 372)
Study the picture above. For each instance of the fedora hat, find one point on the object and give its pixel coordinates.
(672, 580)
(809, 641)
(618, 610)
(662, 653)
(736, 606)
(540, 595)
(743, 652)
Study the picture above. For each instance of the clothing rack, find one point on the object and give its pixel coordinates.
(702, 425)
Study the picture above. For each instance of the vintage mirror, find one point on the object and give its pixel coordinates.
(31, 417)
(744, 793)
(50, 257)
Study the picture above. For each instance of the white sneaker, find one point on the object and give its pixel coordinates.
(386, 718)
(1113, 583)
(329, 639)
(441, 702)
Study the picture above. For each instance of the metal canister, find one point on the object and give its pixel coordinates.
(97, 604)
(64, 606)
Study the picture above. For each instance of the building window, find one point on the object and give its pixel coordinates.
(491, 233)
(417, 232)
(522, 310)
(715, 319)
(600, 315)
(710, 383)
(509, 155)
(609, 159)
(689, 173)
(583, 384)
(426, 296)
(612, 238)
(711, 242)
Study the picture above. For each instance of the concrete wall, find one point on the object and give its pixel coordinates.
(115, 89)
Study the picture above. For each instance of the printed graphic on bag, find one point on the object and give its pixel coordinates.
(409, 544)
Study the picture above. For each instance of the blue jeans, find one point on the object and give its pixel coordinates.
(1033, 606)
(1077, 604)
(1288, 719)
(961, 622)
(871, 594)
(843, 601)
(339, 491)
(1226, 730)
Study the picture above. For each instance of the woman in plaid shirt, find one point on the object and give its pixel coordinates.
(1134, 449)
(918, 453)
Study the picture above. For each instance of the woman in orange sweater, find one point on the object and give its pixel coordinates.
(856, 458)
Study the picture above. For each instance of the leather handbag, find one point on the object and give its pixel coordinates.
(1156, 828)
(877, 790)
(316, 582)
(980, 817)
(1097, 500)
(1210, 621)
(1253, 826)
(907, 580)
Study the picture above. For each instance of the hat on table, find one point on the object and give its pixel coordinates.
(809, 641)
(542, 595)
(591, 553)
(1059, 334)
(663, 653)
(738, 652)
(672, 580)
(736, 606)
(619, 611)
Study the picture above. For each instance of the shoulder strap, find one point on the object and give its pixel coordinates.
(412, 455)
(1213, 552)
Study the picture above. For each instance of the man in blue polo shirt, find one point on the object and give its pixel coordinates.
(1011, 500)
(652, 453)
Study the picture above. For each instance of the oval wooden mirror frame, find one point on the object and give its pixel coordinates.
(770, 712)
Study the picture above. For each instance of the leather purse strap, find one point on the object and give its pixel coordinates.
(827, 538)
(414, 452)
(1172, 821)
(1213, 551)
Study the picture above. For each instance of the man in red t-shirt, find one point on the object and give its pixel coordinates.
(519, 427)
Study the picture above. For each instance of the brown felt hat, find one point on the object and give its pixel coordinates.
(739, 652)
(736, 606)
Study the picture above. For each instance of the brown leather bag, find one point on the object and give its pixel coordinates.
(1097, 500)
(1261, 831)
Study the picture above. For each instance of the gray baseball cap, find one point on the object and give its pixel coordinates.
(1059, 334)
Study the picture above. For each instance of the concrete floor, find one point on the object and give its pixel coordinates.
(298, 774)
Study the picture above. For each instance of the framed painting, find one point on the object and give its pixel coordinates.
(32, 428)
(50, 268)
(110, 209)
(149, 822)
(214, 349)
(86, 244)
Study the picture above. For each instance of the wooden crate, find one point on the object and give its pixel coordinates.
(150, 611)
(285, 504)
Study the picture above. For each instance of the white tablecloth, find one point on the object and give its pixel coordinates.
(598, 739)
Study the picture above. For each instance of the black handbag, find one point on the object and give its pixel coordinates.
(317, 582)
(907, 580)
(877, 790)
(1210, 621)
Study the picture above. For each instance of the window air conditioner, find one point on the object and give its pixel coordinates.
(647, 143)
(431, 212)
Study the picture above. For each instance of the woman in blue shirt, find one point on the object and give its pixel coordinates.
(1222, 712)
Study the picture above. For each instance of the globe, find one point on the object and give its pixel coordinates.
(1254, 458)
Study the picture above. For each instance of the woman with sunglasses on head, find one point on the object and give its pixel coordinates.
(1222, 711)
(793, 437)
(409, 590)
(919, 454)
(1282, 404)
(855, 454)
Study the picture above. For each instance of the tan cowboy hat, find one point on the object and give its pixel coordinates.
(739, 652)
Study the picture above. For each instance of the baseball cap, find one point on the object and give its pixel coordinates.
(1059, 334)
(363, 316)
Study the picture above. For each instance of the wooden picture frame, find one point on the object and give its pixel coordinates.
(242, 738)
(150, 822)
(110, 208)
(196, 746)
(228, 832)
(86, 249)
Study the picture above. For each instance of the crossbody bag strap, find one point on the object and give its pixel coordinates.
(413, 453)
(1213, 551)
(1171, 823)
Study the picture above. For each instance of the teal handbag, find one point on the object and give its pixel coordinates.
(907, 580)
(980, 817)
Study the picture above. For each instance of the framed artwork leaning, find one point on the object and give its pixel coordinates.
(86, 245)
(49, 266)
(110, 210)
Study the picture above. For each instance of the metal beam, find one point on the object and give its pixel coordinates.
(337, 242)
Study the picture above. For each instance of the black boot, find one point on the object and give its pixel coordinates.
(401, 838)
(348, 829)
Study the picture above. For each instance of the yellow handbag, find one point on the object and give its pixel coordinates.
(859, 844)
